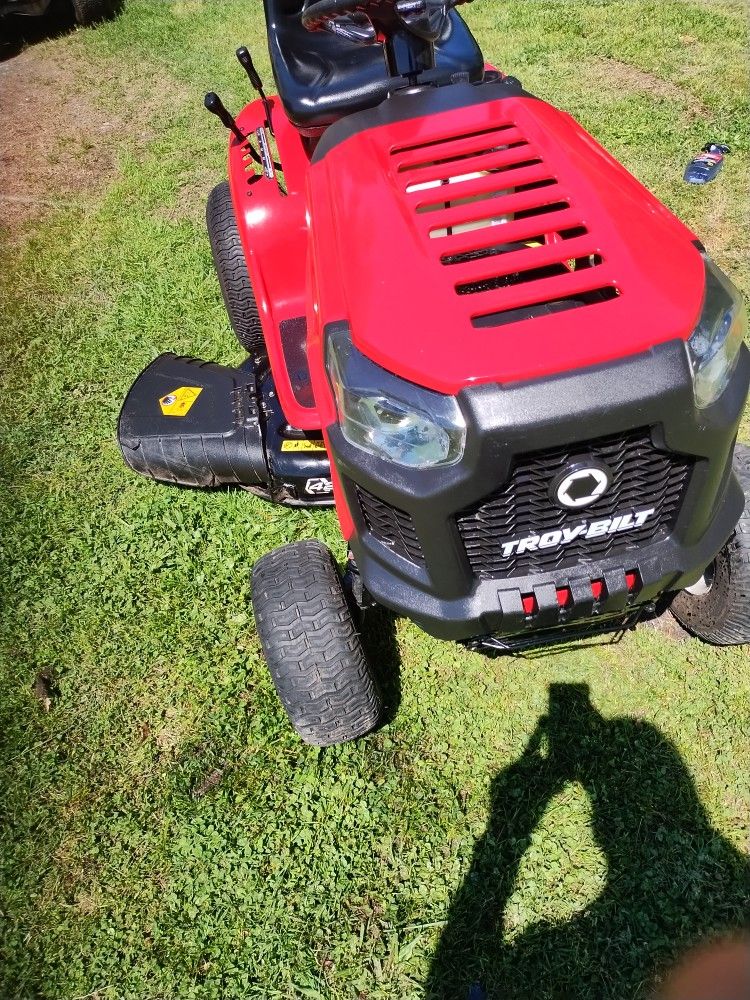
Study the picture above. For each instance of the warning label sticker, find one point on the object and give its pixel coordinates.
(303, 446)
(180, 402)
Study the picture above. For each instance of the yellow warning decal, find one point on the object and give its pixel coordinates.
(303, 446)
(180, 402)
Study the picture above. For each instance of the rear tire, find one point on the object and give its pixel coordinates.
(231, 267)
(718, 611)
(310, 641)
(91, 11)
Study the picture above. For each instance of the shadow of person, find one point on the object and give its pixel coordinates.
(672, 879)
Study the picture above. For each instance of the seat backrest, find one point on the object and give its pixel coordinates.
(321, 77)
(283, 8)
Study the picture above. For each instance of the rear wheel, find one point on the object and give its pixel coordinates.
(310, 641)
(91, 11)
(231, 266)
(717, 607)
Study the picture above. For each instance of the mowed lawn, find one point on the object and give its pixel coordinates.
(559, 826)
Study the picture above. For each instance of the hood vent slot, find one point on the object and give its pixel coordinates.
(471, 225)
(472, 199)
(549, 308)
(459, 148)
(532, 274)
(505, 228)
(454, 138)
(536, 240)
(427, 185)
(459, 157)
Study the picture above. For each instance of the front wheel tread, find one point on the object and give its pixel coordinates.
(314, 653)
(722, 616)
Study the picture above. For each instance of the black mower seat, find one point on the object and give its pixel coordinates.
(321, 77)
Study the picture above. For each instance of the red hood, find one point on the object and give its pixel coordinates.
(445, 307)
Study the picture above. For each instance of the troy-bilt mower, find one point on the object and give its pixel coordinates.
(515, 373)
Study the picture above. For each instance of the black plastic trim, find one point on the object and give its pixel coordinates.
(420, 102)
(654, 389)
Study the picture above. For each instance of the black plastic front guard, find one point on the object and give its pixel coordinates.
(610, 629)
(441, 594)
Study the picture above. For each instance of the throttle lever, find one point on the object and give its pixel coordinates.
(246, 61)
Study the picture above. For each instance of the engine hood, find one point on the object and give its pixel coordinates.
(492, 242)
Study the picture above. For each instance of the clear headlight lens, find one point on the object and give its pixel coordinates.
(389, 417)
(716, 341)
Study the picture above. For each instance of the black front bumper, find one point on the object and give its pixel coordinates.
(429, 577)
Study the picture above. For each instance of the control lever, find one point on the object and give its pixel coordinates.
(246, 61)
(213, 104)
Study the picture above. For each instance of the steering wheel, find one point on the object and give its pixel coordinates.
(425, 18)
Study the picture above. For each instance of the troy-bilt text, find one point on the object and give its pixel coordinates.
(586, 529)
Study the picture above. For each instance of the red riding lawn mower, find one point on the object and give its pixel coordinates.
(515, 373)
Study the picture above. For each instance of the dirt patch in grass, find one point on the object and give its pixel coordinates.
(613, 75)
(58, 142)
(53, 138)
(190, 202)
(716, 219)
(667, 626)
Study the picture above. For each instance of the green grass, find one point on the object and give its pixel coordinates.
(498, 827)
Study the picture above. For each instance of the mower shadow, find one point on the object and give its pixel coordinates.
(672, 881)
(381, 647)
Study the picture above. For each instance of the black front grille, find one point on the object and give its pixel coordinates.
(644, 477)
(390, 526)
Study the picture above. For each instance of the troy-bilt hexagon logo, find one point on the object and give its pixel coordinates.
(580, 484)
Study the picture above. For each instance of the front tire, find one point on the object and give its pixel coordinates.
(310, 641)
(717, 609)
(231, 267)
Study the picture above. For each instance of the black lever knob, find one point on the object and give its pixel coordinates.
(214, 104)
(246, 61)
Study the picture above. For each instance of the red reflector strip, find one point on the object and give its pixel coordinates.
(565, 595)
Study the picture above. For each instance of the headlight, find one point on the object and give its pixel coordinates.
(716, 341)
(389, 417)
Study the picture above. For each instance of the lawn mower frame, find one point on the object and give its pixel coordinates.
(583, 481)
